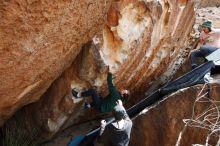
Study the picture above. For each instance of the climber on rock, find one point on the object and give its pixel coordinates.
(209, 42)
(104, 104)
(118, 132)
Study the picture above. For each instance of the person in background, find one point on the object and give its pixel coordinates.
(209, 42)
(118, 132)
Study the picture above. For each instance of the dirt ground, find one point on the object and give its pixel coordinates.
(208, 13)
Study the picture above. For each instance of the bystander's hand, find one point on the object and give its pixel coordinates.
(102, 127)
(102, 123)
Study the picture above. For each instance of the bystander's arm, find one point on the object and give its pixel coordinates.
(101, 139)
(102, 127)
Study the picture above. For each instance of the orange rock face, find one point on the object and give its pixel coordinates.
(143, 42)
(162, 124)
(148, 43)
(39, 39)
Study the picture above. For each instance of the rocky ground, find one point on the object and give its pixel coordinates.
(210, 13)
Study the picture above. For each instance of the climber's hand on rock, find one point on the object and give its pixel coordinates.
(108, 69)
(104, 69)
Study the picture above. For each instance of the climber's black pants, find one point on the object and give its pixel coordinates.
(97, 100)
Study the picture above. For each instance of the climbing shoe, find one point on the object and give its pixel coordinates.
(86, 105)
(76, 94)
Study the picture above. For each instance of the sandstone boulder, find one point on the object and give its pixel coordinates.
(162, 124)
(39, 39)
(143, 42)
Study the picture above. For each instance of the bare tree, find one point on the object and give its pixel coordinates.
(208, 119)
